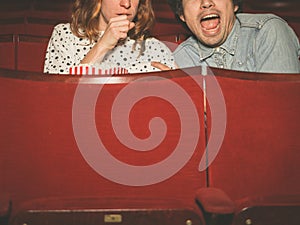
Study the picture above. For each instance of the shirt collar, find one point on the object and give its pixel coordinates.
(229, 45)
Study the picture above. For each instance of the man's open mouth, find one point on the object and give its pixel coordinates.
(210, 22)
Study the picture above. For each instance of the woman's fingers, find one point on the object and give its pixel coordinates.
(117, 29)
(120, 23)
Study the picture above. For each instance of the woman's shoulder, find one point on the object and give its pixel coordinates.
(63, 27)
(64, 31)
(156, 43)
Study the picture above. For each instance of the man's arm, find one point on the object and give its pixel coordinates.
(277, 48)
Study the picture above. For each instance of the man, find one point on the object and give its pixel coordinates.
(226, 39)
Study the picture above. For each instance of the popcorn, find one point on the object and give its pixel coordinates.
(94, 70)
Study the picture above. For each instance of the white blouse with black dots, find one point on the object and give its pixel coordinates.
(66, 50)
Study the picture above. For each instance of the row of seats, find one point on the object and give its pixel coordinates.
(34, 21)
(37, 17)
(64, 161)
(33, 17)
(27, 25)
(27, 52)
(23, 52)
(47, 177)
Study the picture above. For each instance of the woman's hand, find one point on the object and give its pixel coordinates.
(116, 30)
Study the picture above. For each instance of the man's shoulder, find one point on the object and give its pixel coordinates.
(187, 53)
(189, 44)
(252, 20)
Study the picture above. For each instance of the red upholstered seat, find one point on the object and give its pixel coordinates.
(7, 51)
(259, 155)
(23, 52)
(31, 52)
(50, 124)
(41, 157)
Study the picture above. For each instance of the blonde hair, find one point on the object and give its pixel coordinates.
(85, 20)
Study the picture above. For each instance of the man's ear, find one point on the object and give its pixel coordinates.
(182, 17)
(236, 8)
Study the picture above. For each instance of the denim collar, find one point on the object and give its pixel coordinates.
(229, 45)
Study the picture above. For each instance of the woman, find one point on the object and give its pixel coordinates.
(107, 34)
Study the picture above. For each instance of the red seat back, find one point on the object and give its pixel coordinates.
(259, 155)
(31, 52)
(51, 132)
(7, 51)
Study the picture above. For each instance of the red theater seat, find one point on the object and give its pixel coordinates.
(41, 157)
(46, 163)
(42, 26)
(259, 155)
(102, 211)
(172, 40)
(15, 6)
(33, 17)
(273, 210)
(166, 21)
(45, 15)
(257, 164)
(12, 24)
(284, 7)
(7, 51)
(31, 52)
(12, 16)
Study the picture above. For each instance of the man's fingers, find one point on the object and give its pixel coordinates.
(160, 66)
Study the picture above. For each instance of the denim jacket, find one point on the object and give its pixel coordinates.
(257, 43)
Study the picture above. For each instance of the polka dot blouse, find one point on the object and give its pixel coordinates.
(66, 50)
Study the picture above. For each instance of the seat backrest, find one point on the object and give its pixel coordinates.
(31, 51)
(59, 139)
(166, 21)
(260, 152)
(7, 51)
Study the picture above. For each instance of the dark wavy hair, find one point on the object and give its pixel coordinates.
(177, 7)
(85, 20)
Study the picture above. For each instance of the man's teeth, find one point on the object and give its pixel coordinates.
(211, 16)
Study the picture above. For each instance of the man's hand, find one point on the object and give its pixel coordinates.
(160, 66)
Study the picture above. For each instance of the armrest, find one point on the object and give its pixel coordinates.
(216, 206)
(5, 209)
